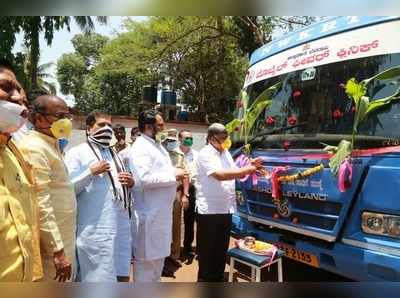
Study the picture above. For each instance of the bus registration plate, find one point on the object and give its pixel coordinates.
(298, 255)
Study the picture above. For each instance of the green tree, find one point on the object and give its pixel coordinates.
(75, 70)
(32, 27)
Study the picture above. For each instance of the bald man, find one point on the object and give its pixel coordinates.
(56, 198)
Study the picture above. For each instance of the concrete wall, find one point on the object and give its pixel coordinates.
(199, 130)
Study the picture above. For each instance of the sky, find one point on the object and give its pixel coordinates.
(62, 44)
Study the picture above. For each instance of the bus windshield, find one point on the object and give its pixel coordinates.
(314, 101)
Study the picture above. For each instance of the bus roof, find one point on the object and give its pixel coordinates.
(315, 31)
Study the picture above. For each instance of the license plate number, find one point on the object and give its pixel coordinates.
(298, 255)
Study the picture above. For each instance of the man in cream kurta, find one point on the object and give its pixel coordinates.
(154, 196)
(55, 193)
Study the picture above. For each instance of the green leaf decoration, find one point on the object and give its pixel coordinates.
(361, 111)
(251, 114)
(387, 74)
(376, 104)
(343, 151)
(231, 126)
(247, 149)
(259, 104)
(330, 149)
(355, 90)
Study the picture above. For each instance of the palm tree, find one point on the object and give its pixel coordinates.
(43, 75)
(34, 25)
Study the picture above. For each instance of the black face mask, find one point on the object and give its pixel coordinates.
(102, 136)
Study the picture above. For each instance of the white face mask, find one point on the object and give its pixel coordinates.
(10, 116)
(171, 146)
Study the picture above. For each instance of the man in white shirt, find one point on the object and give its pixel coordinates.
(215, 201)
(154, 197)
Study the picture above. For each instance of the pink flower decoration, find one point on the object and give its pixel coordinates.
(292, 120)
(296, 93)
(270, 120)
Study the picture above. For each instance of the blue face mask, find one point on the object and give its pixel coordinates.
(62, 143)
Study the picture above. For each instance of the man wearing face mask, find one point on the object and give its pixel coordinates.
(215, 201)
(154, 197)
(103, 189)
(19, 235)
(55, 194)
(177, 158)
(188, 198)
(24, 130)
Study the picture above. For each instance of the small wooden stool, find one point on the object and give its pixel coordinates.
(256, 262)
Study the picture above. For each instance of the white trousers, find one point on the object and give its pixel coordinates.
(148, 271)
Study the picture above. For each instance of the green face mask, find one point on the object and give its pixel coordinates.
(188, 142)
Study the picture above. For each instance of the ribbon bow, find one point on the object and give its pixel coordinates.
(344, 176)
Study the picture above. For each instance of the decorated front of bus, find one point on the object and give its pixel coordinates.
(321, 107)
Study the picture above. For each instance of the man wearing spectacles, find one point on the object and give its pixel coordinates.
(55, 193)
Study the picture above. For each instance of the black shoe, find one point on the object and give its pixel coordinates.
(167, 273)
(174, 262)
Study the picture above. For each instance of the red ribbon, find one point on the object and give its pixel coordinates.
(276, 185)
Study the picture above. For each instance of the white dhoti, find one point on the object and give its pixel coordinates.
(148, 271)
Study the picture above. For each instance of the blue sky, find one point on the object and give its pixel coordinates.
(62, 42)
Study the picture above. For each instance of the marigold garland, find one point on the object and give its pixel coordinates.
(301, 175)
(276, 192)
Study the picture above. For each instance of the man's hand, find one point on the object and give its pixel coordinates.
(63, 266)
(257, 163)
(126, 179)
(179, 173)
(99, 167)
(185, 202)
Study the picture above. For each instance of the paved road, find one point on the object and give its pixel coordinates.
(292, 272)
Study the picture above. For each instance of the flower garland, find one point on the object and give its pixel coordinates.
(301, 175)
(274, 176)
(277, 180)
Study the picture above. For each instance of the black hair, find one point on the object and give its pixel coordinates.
(147, 117)
(134, 130)
(91, 118)
(119, 127)
(182, 131)
(5, 63)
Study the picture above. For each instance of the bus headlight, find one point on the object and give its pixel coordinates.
(381, 224)
(240, 198)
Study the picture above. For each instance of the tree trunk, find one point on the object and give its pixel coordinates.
(34, 49)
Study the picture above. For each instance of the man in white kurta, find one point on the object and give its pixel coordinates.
(154, 195)
(103, 225)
